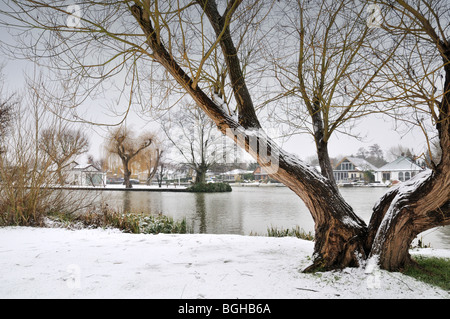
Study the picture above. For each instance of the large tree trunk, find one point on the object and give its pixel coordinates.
(339, 233)
(414, 206)
(326, 167)
(321, 143)
(417, 205)
(200, 174)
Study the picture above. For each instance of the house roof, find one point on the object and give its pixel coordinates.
(402, 163)
(237, 172)
(87, 167)
(360, 164)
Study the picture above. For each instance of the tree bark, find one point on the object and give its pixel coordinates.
(339, 233)
(321, 142)
(200, 173)
(417, 205)
(126, 173)
(246, 112)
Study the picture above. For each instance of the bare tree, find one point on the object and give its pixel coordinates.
(7, 105)
(150, 158)
(176, 43)
(27, 173)
(121, 141)
(5, 117)
(196, 138)
(328, 76)
(62, 146)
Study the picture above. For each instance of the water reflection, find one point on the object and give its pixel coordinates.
(126, 202)
(200, 208)
(248, 210)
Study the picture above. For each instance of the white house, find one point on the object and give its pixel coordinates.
(85, 175)
(235, 175)
(351, 169)
(400, 169)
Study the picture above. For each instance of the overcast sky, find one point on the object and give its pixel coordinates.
(372, 129)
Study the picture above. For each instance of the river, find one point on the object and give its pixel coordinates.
(248, 210)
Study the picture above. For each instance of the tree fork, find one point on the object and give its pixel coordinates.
(340, 234)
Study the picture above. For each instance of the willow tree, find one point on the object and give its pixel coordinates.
(63, 145)
(177, 45)
(122, 142)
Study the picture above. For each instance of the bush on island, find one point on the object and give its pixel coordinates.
(209, 188)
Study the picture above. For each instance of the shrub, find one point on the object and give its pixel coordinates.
(127, 222)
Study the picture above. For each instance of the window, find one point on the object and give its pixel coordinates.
(346, 166)
(386, 176)
(340, 176)
(400, 176)
(407, 176)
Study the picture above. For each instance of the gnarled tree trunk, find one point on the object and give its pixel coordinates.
(416, 205)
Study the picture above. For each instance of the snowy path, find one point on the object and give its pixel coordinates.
(59, 263)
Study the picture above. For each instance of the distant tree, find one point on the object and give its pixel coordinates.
(376, 156)
(196, 138)
(328, 74)
(99, 164)
(7, 105)
(400, 150)
(161, 170)
(122, 142)
(376, 151)
(63, 145)
(362, 153)
(5, 117)
(149, 160)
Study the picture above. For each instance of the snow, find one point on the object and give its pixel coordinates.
(97, 263)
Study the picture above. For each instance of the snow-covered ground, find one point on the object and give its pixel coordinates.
(96, 263)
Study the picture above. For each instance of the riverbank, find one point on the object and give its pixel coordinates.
(97, 263)
(135, 188)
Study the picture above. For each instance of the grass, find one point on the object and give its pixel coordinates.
(126, 222)
(431, 270)
(293, 232)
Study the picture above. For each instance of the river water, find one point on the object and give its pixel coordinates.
(248, 210)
